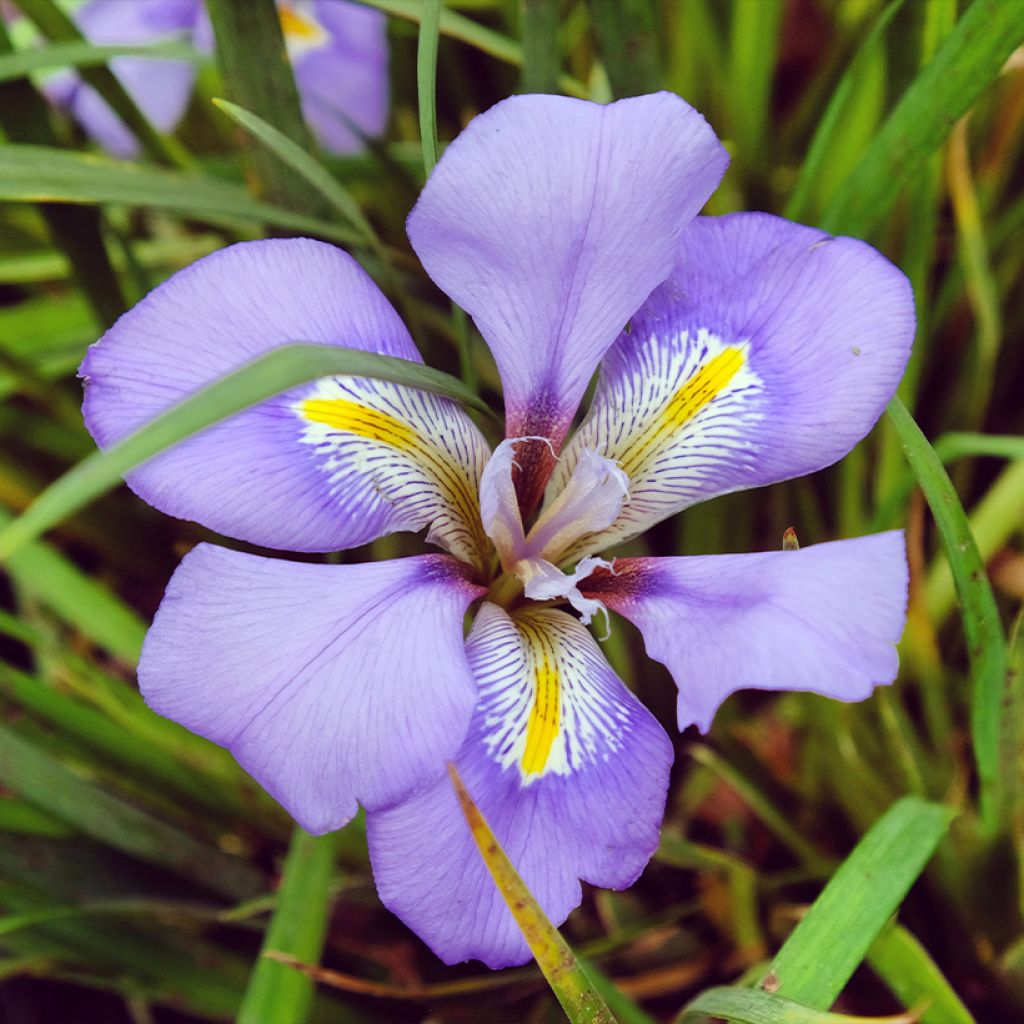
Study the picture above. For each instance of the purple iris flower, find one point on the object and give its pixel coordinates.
(338, 52)
(754, 350)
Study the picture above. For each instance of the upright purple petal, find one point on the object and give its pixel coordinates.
(825, 618)
(160, 88)
(328, 465)
(330, 684)
(568, 768)
(550, 220)
(769, 353)
(344, 83)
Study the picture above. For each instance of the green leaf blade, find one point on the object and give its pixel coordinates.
(982, 625)
(857, 902)
(41, 174)
(276, 992)
(969, 59)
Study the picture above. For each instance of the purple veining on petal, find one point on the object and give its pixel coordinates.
(803, 337)
(550, 220)
(591, 813)
(330, 684)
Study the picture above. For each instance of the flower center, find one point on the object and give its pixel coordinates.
(590, 501)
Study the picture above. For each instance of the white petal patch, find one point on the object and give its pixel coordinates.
(590, 501)
(414, 456)
(669, 412)
(543, 581)
(547, 694)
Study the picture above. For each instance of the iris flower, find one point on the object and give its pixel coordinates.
(338, 52)
(733, 351)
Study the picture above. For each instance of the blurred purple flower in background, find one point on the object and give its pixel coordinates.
(338, 52)
(755, 350)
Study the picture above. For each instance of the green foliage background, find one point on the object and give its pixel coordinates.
(142, 873)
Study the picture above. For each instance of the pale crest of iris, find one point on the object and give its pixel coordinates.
(554, 223)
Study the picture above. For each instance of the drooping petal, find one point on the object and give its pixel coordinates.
(328, 465)
(825, 618)
(330, 684)
(770, 352)
(343, 81)
(570, 771)
(161, 88)
(550, 220)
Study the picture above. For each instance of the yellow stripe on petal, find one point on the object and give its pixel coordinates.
(670, 412)
(419, 453)
(544, 693)
(545, 715)
(354, 418)
(709, 381)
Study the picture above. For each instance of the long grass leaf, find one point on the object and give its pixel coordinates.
(44, 573)
(753, 40)
(749, 1006)
(458, 26)
(307, 166)
(994, 520)
(542, 57)
(77, 231)
(258, 380)
(985, 639)
(627, 38)
(904, 965)
(44, 781)
(297, 928)
(426, 81)
(82, 54)
(818, 152)
(114, 744)
(968, 60)
(254, 65)
(581, 1002)
(855, 905)
(41, 174)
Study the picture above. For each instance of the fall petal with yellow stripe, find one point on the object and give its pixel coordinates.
(570, 769)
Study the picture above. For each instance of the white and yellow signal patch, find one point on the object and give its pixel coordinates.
(411, 458)
(668, 414)
(549, 701)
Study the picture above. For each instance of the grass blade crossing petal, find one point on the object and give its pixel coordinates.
(580, 1000)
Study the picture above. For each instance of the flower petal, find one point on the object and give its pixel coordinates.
(569, 769)
(329, 465)
(770, 352)
(329, 683)
(590, 501)
(160, 88)
(344, 83)
(550, 220)
(499, 508)
(825, 618)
